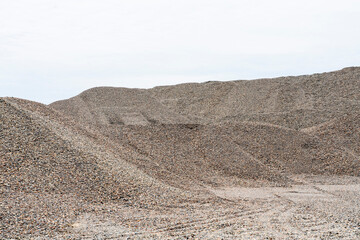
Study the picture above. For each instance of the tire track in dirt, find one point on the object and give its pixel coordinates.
(193, 227)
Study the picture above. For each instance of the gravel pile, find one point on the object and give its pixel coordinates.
(112, 157)
(47, 178)
(118, 163)
(191, 155)
(294, 102)
(108, 105)
(343, 131)
(35, 162)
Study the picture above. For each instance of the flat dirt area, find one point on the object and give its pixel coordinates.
(323, 208)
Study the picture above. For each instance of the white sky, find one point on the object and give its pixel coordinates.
(54, 49)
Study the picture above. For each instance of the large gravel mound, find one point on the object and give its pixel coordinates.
(117, 163)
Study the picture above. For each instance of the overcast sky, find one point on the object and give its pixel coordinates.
(54, 49)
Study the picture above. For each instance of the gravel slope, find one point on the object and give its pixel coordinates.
(49, 175)
(294, 102)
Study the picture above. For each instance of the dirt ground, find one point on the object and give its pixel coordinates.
(321, 208)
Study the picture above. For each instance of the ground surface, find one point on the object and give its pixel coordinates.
(323, 208)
